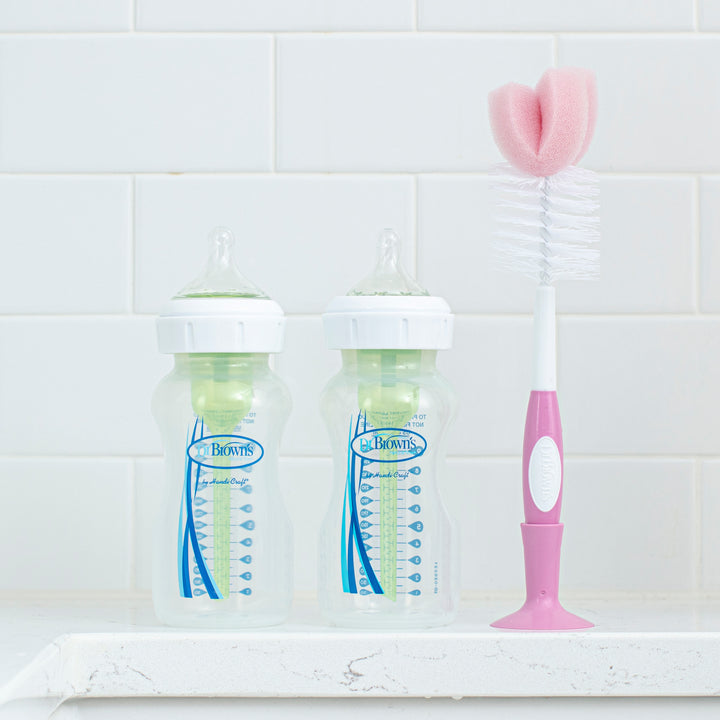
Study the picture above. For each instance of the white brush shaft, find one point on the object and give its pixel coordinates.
(544, 362)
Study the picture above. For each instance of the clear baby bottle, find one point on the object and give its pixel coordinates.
(223, 556)
(387, 555)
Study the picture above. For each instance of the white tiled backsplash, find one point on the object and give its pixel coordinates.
(129, 129)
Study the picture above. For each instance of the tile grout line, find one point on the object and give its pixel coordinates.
(696, 245)
(696, 15)
(415, 15)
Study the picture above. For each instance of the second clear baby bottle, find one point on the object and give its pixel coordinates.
(387, 554)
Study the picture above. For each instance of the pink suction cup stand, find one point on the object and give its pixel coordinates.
(542, 609)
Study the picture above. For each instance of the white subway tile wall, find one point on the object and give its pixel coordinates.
(709, 14)
(306, 365)
(489, 367)
(556, 15)
(709, 498)
(128, 130)
(67, 244)
(660, 101)
(70, 524)
(148, 496)
(58, 16)
(399, 102)
(274, 15)
(629, 528)
(709, 280)
(640, 386)
(132, 103)
(78, 386)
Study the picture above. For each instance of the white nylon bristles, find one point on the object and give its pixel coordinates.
(547, 227)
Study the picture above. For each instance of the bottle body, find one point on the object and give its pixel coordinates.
(223, 546)
(387, 546)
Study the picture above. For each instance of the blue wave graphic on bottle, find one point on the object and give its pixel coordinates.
(353, 548)
(195, 545)
(360, 541)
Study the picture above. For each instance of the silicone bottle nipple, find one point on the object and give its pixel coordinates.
(389, 276)
(221, 277)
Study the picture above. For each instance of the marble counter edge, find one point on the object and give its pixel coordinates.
(346, 664)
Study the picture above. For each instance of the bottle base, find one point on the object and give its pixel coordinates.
(220, 622)
(206, 614)
(378, 621)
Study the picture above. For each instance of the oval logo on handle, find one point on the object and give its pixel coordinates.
(545, 474)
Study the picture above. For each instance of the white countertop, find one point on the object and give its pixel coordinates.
(113, 648)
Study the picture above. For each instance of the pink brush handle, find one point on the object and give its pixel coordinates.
(542, 459)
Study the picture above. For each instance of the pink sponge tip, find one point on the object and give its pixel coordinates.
(544, 130)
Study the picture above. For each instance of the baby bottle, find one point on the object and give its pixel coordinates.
(223, 539)
(387, 556)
